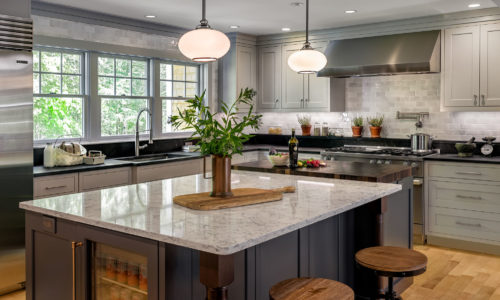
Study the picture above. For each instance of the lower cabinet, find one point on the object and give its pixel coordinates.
(154, 172)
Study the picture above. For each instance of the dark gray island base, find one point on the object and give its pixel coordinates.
(64, 234)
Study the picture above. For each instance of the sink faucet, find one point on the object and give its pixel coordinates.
(137, 146)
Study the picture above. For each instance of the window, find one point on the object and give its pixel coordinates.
(123, 86)
(177, 84)
(58, 94)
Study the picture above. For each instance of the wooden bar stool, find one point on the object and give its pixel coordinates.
(392, 262)
(310, 289)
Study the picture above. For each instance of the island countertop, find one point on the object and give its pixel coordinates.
(147, 210)
(336, 169)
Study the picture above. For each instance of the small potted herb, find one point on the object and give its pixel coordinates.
(375, 125)
(357, 127)
(305, 123)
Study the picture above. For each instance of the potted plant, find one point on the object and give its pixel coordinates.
(375, 125)
(220, 135)
(305, 123)
(357, 127)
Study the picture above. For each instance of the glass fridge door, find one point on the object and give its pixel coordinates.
(118, 274)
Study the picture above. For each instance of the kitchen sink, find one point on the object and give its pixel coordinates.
(155, 157)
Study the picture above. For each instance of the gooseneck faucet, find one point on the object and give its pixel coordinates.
(137, 146)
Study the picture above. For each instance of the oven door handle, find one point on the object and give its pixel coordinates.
(418, 182)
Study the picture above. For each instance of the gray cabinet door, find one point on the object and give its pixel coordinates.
(490, 65)
(294, 84)
(269, 95)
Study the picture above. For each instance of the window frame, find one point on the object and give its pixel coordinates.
(83, 87)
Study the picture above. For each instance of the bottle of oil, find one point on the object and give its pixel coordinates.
(293, 149)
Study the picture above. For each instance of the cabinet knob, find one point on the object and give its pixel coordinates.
(277, 100)
(475, 100)
(483, 101)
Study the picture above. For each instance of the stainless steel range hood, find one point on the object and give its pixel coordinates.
(418, 52)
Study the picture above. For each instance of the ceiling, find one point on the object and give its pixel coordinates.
(261, 17)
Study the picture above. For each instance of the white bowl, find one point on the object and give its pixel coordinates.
(277, 160)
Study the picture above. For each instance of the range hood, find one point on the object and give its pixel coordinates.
(418, 52)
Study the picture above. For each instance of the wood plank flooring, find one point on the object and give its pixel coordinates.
(454, 275)
(451, 275)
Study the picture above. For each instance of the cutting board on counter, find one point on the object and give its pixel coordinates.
(240, 197)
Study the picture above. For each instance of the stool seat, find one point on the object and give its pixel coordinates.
(310, 289)
(392, 261)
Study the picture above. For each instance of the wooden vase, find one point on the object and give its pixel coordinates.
(375, 131)
(306, 129)
(221, 176)
(357, 131)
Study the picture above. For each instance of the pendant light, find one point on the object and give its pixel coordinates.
(307, 60)
(204, 44)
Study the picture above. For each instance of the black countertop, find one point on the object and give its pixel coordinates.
(456, 158)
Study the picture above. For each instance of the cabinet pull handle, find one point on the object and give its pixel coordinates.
(277, 100)
(417, 182)
(469, 197)
(483, 101)
(468, 224)
(74, 245)
(55, 187)
(475, 100)
(468, 173)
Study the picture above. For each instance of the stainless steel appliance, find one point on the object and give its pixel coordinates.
(16, 145)
(391, 155)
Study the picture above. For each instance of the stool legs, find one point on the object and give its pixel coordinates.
(390, 294)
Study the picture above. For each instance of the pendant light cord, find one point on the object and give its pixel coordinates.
(307, 21)
(203, 21)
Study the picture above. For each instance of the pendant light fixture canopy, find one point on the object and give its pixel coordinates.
(204, 44)
(307, 60)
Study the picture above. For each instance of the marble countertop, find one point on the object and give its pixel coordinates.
(146, 209)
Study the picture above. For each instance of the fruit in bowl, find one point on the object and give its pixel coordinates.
(311, 163)
(279, 159)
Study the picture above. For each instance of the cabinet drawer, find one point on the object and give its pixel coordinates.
(464, 171)
(95, 180)
(167, 170)
(55, 185)
(464, 224)
(476, 197)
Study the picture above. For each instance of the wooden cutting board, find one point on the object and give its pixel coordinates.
(241, 197)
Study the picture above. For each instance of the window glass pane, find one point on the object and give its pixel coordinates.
(118, 116)
(179, 72)
(51, 62)
(191, 73)
(139, 69)
(51, 84)
(53, 117)
(122, 87)
(36, 61)
(106, 66)
(36, 83)
(106, 86)
(139, 87)
(171, 108)
(179, 89)
(123, 68)
(71, 63)
(166, 71)
(166, 88)
(191, 89)
(71, 84)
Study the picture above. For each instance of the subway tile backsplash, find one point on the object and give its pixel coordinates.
(369, 96)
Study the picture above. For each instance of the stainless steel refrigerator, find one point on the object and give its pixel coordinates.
(16, 145)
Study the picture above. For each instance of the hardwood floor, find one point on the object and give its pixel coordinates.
(451, 275)
(455, 275)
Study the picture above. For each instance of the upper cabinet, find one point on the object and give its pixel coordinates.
(282, 89)
(472, 68)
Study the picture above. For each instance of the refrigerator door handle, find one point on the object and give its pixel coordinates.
(74, 245)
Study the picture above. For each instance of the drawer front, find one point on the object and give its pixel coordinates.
(474, 197)
(95, 180)
(464, 224)
(468, 171)
(168, 170)
(47, 186)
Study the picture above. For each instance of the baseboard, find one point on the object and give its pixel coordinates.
(463, 245)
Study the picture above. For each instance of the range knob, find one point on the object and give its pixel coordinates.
(414, 164)
(387, 162)
(379, 162)
(372, 161)
(406, 163)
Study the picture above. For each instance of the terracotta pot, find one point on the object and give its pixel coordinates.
(221, 176)
(306, 129)
(375, 131)
(357, 131)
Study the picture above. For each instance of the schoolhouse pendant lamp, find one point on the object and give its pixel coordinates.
(204, 44)
(307, 60)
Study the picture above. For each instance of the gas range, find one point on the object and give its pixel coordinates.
(380, 154)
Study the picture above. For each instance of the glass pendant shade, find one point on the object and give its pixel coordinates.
(307, 61)
(204, 44)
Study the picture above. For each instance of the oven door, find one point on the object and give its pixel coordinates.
(418, 211)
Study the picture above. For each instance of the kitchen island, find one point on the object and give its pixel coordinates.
(245, 250)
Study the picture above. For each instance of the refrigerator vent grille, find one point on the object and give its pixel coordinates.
(16, 33)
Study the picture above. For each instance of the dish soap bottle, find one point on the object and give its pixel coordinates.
(48, 156)
(293, 149)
